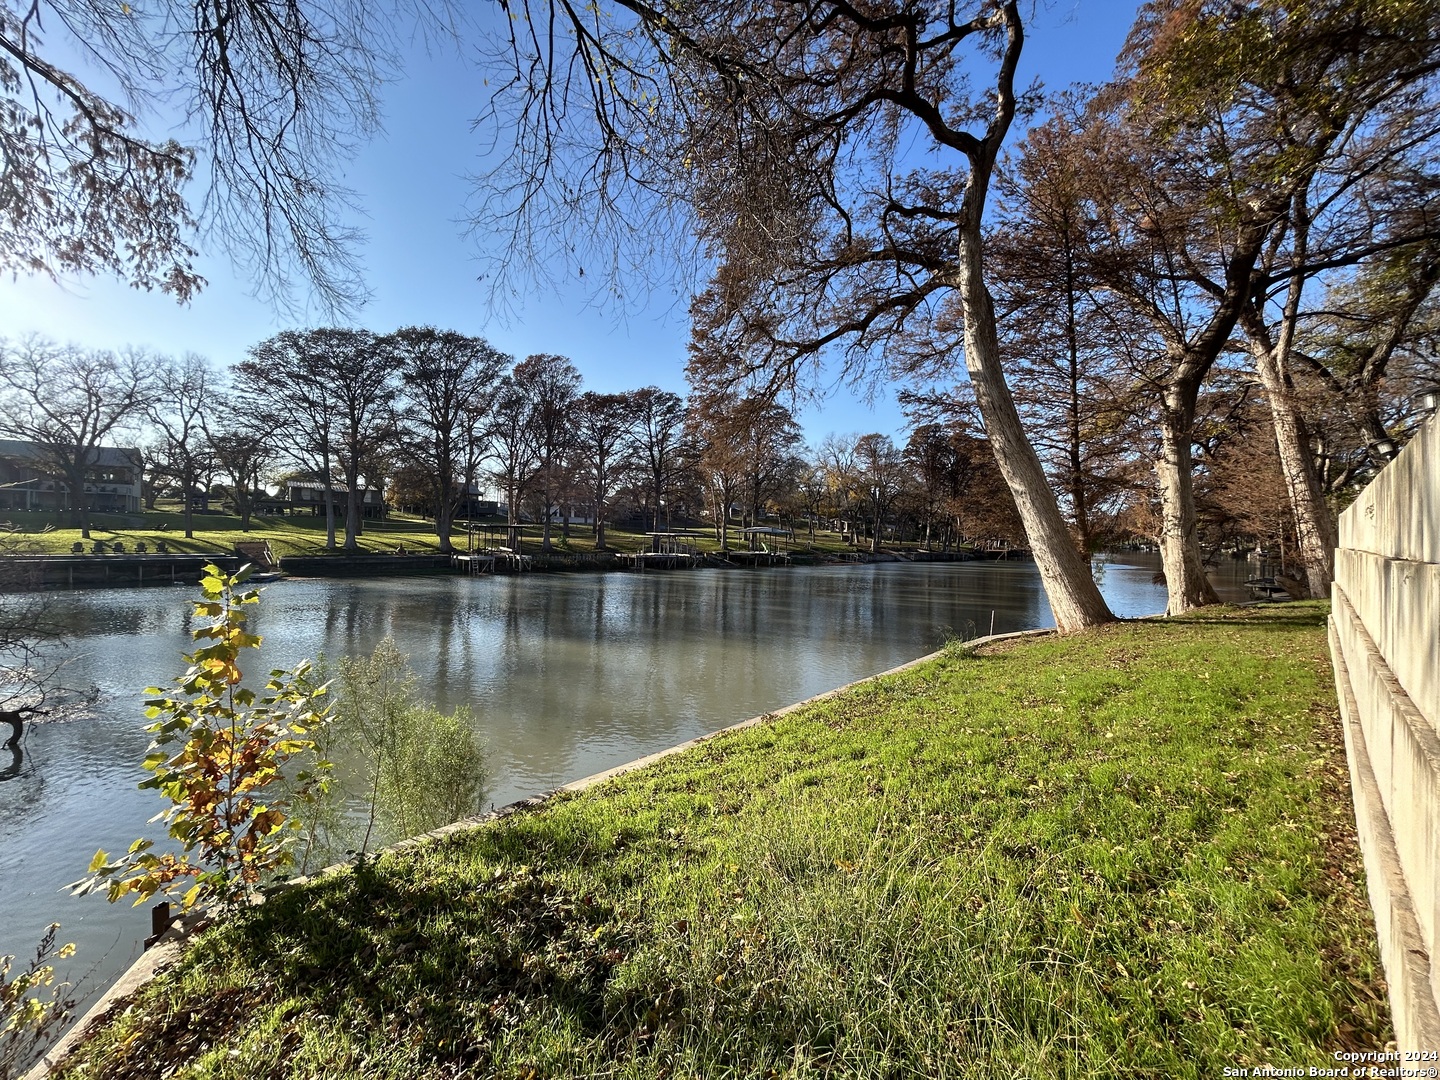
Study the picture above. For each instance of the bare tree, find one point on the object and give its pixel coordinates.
(244, 451)
(549, 384)
(1216, 163)
(603, 426)
(296, 401)
(1371, 342)
(449, 382)
(512, 439)
(720, 460)
(930, 454)
(767, 436)
(657, 441)
(1070, 350)
(68, 402)
(880, 472)
(835, 457)
(184, 396)
(813, 488)
(270, 101)
(363, 387)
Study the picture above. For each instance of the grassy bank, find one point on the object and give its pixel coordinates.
(1125, 853)
(304, 534)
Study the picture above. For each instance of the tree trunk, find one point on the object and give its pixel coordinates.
(352, 508)
(1314, 526)
(1074, 597)
(1185, 581)
(75, 481)
(352, 514)
(189, 485)
(545, 508)
(329, 503)
(17, 726)
(445, 515)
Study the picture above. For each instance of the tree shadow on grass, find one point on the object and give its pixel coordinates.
(400, 958)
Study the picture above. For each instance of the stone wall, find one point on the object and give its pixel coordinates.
(1385, 642)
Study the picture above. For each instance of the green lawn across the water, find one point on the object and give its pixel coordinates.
(304, 534)
(1127, 853)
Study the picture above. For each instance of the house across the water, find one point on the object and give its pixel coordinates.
(31, 479)
(301, 495)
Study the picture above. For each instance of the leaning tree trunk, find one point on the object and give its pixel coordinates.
(1185, 580)
(1074, 597)
(16, 720)
(1314, 526)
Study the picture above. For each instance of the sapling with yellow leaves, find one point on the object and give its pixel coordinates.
(235, 766)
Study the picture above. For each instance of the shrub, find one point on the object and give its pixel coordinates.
(32, 1006)
(421, 768)
(234, 766)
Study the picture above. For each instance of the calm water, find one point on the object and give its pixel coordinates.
(566, 674)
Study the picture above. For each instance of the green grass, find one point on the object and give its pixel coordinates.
(1124, 853)
(304, 534)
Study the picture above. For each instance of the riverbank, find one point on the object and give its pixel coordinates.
(1130, 851)
(26, 573)
(302, 537)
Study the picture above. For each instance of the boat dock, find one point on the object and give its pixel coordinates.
(668, 551)
(499, 560)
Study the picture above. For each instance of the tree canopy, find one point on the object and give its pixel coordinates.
(270, 101)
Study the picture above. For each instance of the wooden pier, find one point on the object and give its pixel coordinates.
(760, 558)
(493, 561)
(668, 551)
(658, 560)
(474, 563)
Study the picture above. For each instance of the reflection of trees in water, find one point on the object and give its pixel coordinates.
(16, 747)
(32, 671)
(563, 671)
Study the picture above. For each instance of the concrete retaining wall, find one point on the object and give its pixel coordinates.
(22, 572)
(1385, 642)
(364, 565)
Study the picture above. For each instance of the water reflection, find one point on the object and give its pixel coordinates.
(566, 675)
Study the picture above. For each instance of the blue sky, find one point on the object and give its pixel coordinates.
(411, 182)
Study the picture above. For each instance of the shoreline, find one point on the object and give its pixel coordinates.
(1079, 795)
(69, 573)
(169, 942)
